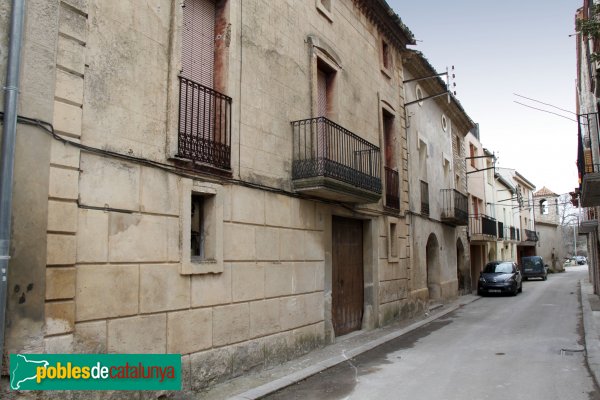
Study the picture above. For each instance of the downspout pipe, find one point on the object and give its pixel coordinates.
(7, 151)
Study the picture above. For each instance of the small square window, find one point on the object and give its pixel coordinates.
(419, 94)
(201, 221)
(393, 240)
(325, 7)
(198, 232)
(386, 58)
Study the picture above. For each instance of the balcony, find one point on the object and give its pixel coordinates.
(333, 163)
(588, 167)
(204, 125)
(482, 228)
(500, 230)
(589, 220)
(392, 189)
(454, 208)
(530, 236)
(424, 198)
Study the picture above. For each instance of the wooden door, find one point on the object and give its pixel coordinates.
(347, 275)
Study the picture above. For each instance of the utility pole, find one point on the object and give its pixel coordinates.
(574, 240)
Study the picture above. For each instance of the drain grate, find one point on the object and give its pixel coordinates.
(571, 352)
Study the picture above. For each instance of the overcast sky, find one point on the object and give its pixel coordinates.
(500, 48)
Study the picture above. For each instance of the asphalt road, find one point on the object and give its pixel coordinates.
(524, 347)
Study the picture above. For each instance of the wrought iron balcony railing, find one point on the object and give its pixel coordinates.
(392, 188)
(530, 236)
(324, 149)
(454, 207)
(424, 198)
(483, 225)
(589, 220)
(587, 164)
(204, 125)
(489, 226)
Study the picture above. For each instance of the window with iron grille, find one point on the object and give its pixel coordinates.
(424, 198)
(392, 178)
(201, 221)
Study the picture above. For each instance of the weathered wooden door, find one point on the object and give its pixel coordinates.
(347, 275)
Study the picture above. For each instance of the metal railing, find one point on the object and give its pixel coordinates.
(589, 214)
(483, 225)
(500, 230)
(455, 206)
(589, 125)
(324, 148)
(392, 188)
(489, 226)
(424, 198)
(204, 124)
(531, 236)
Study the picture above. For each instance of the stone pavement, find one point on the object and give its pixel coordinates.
(258, 384)
(261, 383)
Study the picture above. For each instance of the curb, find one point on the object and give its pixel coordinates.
(590, 338)
(281, 383)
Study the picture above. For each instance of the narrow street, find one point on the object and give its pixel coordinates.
(524, 347)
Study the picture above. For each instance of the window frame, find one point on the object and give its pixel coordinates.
(386, 58)
(392, 225)
(213, 200)
(419, 94)
(325, 9)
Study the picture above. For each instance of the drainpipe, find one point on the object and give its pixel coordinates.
(7, 151)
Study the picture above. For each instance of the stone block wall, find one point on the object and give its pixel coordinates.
(123, 289)
(115, 257)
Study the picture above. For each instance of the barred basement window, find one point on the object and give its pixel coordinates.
(393, 241)
(201, 221)
(198, 229)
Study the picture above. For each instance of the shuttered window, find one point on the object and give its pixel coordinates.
(198, 41)
(321, 93)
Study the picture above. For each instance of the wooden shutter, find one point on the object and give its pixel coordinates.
(198, 41)
(321, 94)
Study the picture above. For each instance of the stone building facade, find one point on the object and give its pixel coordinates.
(482, 226)
(203, 186)
(436, 127)
(524, 212)
(508, 217)
(547, 225)
(587, 194)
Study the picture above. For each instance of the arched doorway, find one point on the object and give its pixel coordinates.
(432, 256)
(460, 264)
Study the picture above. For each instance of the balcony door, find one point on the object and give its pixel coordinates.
(322, 111)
